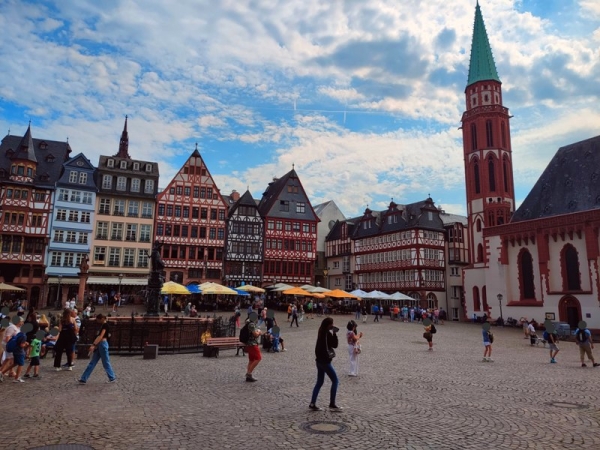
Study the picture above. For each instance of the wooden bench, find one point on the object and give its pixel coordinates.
(213, 345)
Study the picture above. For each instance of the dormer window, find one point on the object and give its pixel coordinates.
(136, 166)
(50, 158)
(43, 145)
(123, 165)
(9, 153)
(30, 172)
(148, 167)
(110, 163)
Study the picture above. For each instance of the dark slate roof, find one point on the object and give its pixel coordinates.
(79, 163)
(50, 156)
(276, 192)
(336, 231)
(413, 215)
(246, 199)
(570, 183)
(25, 149)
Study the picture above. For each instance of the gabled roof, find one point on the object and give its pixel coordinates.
(50, 156)
(481, 65)
(78, 163)
(570, 183)
(336, 231)
(246, 199)
(277, 191)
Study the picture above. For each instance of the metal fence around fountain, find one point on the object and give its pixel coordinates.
(172, 335)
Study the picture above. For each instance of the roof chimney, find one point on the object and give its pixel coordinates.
(235, 195)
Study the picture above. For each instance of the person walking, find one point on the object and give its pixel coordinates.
(66, 340)
(357, 311)
(252, 349)
(488, 338)
(327, 341)
(376, 313)
(294, 316)
(353, 338)
(428, 334)
(583, 338)
(553, 344)
(99, 351)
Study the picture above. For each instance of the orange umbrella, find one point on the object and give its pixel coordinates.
(338, 293)
(297, 291)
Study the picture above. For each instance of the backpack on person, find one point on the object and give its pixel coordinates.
(245, 334)
(581, 336)
(433, 329)
(13, 343)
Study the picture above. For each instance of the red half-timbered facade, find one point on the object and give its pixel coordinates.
(29, 169)
(190, 223)
(290, 232)
(243, 258)
(402, 249)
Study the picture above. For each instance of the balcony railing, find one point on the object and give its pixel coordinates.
(146, 216)
(116, 237)
(102, 236)
(116, 212)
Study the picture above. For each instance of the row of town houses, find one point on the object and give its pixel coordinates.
(540, 260)
(72, 229)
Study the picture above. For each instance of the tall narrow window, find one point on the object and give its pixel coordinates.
(473, 137)
(489, 134)
(570, 266)
(480, 253)
(476, 177)
(492, 174)
(505, 173)
(526, 280)
(476, 299)
(503, 134)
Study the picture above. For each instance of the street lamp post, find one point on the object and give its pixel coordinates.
(500, 304)
(58, 299)
(120, 280)
(325, 272)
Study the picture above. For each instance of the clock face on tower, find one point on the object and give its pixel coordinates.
(331, 224)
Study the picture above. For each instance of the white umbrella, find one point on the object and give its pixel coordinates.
(318, 290)
(359, 293)
(400, 296)
(283, 287)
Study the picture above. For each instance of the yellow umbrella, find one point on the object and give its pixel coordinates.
(338, 293)
(250, 288)
(214, 288)
(297, 291)
(10, 287)
(170, 287)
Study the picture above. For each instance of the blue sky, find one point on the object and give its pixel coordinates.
(364, 97)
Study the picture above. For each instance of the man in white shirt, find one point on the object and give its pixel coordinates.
(531, 331)
(7, 358)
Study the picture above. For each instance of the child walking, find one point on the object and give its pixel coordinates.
(35, 349)
(488, 338)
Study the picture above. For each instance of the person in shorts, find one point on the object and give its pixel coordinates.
(35, 348)
(552, 343)
(583, 338)
(253, 350)
(487, 343)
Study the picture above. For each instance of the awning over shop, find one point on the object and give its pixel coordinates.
(64, 280)
(115, 281)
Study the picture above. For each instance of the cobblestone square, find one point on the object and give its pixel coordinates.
(404, 397)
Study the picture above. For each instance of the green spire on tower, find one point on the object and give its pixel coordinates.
(482, 66)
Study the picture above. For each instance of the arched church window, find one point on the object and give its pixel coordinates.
(476, 178)
(478, 225)
(489, 133)
(473, 137)
(492, 174)
(526, 280)
(570, 268)
(505, 168)
(503, 134)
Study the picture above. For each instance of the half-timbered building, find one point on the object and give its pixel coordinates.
(125, 206)
(243, 258)
(29, 169)
(339, 257)
(457, 258)
(290, 232)
(190, 223)
(71, 226)
(402, 249)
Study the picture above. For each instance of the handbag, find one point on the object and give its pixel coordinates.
(357, 349)
(330, 351)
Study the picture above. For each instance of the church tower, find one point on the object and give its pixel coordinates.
(486, 144)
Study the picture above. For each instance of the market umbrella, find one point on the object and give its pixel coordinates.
(9, 288)
(308, 287)
(214, 288)
(242, 293)
(359, 293)
(318, 289)
(280, 286)
(338, 293)
(170, 287)
(297, 291)
(400, 296)
(194, 289)
(317, 295)
(250, 288)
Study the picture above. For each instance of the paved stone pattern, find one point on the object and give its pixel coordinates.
(404, 397)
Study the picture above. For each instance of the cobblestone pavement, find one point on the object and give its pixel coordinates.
(405, 397)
